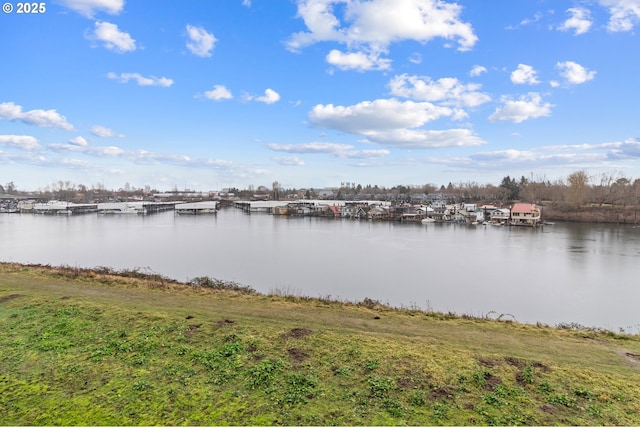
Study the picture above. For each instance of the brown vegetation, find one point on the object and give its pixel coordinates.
(603, 214)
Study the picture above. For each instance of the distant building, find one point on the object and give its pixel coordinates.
(326, 194)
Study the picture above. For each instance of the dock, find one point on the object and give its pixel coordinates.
(197, 208)
(137, 208)
(258, 206)
(63, 208)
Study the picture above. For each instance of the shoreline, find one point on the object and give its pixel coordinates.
(153, 280)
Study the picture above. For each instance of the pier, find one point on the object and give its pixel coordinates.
(197, 208)
(138, 208)
(258, 206)
(63, 208)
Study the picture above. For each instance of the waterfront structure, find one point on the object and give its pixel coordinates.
(525, 214)
(196, 208)
(500, 216)
(519, 214)
(55, 207)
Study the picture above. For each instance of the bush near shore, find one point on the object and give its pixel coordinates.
(103, 347)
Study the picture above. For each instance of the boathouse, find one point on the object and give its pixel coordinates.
(525, 214)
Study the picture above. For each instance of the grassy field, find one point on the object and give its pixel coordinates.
(91, 347)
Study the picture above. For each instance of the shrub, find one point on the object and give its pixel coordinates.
(211, 283)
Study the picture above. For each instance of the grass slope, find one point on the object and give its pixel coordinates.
(91, 347)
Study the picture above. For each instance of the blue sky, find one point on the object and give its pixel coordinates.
(312, 93)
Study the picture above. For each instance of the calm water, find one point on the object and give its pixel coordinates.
(583, 273)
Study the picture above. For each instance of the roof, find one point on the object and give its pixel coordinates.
(524, 208)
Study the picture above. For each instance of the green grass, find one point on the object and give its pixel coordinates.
(86, 347)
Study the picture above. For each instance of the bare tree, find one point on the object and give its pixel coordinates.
(623, 191)
(578, 186)
(604, 191)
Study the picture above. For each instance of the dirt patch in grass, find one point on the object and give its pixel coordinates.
(225, 322)
(297, 354)
(192, 329)
(548, 408)
(10, 297)
(231, 338)
(297, 333)
(515, 362)
(522, 363)
(441, 393)
(491, 382)
(633, 358)
(409, 382)
(489, 363)
(541, 366)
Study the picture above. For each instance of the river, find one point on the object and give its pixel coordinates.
(565, 273)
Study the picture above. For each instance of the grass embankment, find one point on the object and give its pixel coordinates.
(81, 347)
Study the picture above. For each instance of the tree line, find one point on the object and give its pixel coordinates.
(577, 189)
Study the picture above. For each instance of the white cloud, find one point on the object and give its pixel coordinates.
(218, 93)
(527, 160)
(69, 155)
(625, 14)
(72, 163)
(89, 8)
(394, 123)
(76, 147)
(580, 21)
(365, 154)
(289, 161)
(141, 80)
(447, 90)
(311, 148)
(201, 42)
(104, 132)
(151, 158)
(524, 74)
(575, 73)
(536, 17)
(526, 107)
(628, 149)
(40, 118)
(419, 138)
(523, 158)
(113, 39)
(415, 58)
(107, 151)
(270, 97)
(24, 142)
(477, 70)
(378, 115)
(506, 155)
(246, 3)
(79, 141)
(337, 150)
(371, 26)
(358, 61)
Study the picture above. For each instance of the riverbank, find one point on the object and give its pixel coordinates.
(592, 214)
(94, 347)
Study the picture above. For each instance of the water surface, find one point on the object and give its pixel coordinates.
(566, 273)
